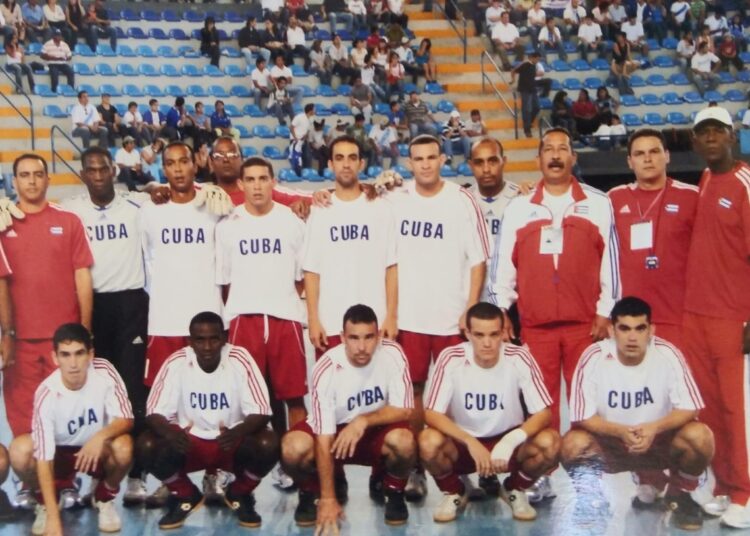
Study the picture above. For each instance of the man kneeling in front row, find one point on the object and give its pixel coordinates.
(81, 421)
(361, 402)
(476, 421)
(208, 409)
(634, 405)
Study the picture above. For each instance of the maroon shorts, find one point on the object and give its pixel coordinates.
(159, 348)
(20, 381)
(464, 464)
(206, 454)
(369, 450)
(278, 349)
(65, 463)
(333, 340)
(422, 349)
(617, 458)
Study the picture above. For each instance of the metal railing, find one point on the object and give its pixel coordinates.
(462, 35)
(513, 110)
(30, 119)
(56, 155)
(544, 124)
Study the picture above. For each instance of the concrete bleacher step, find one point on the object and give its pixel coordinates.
(7, 156)
(64, 179)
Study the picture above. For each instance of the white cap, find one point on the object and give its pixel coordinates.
(455, 113)
(715, 113)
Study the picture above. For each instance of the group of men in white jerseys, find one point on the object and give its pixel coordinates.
(393, 288)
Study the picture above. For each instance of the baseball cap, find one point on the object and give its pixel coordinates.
(455, 113)
(713, 113)
(128, 139)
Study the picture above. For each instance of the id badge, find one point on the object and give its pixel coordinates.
(652, 262)
(551, 241)
(641, 235)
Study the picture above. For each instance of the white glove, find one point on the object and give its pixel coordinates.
(388, 180)
(217, 201)
(504, 448)
(8, 211)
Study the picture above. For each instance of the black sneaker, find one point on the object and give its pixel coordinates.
(490, 485)
(7, 511)
(244, 507)
(306, 513)
(341, 486)
(686, 513)
(376, 489)
(179, 508)
(396, 512)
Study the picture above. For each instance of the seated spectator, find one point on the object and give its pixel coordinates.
(279, 70)
(394, 33)
(221, 123)
(424, 60)
(128, 161)
(506, 39)
(336, 11)
(299, 10)
(280, 102)
(384, 142)
(606, 104)
(737, 29)
(550, 39)
(685, 51)
(203, 162)
(573, 16)
(679, 17)
(295, 43)
(406, 57)
(590, 38)
(74, 15)
(338, 130)
(151, 158)
(536, 21)
(98, 25)
(476, 128)
(318, 145)
(418, 117)
(36, 24)
(110, 118)
(358, 53)
(87, 122)
(617, 15)
(14, 63)
(251, 43)
(57, 54)
(623, 64)
(299, 148)
(561, 114)
(698, 13)
(395, 12)
(717, 23)
(455, 137)
(154, 119)
(519, 11)
(654, 19)
(600, 16)
(134, 126)
(262, 84)
(705, 37)
(340, 62)
(492, 15)
(55, 17)
(380, 57)
(203, 133)
(320, 63)
(705, 65)
(361, 99)
(394, 78)
(616, 128)
(585, 114)
(210, 41)
(728, 54)
(273, 39)
(397, 118)
(359, 133)
(369, 78)
(373, 40)
(610, 133)
(272, 10)
(634, 35)
(11, 13)
(358, 9)
(179, 126)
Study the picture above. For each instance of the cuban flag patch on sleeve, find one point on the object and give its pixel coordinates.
(724, 202)
(672, 207)
(581, 209)
(56, 230)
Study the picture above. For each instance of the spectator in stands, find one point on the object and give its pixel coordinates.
(14, 63)
(55, 17)
(358, 53)
(340, 62)
(611, 132)
(338, 130)
(396, 12)
(380, 56)
(406, 57)
(318, 145)
(394, 77)
(110, 118)
(561, 114)
(373, 40)
(336, 11)
(202, 162)
(705, 65)
(634, 35)
(737, 29)
(492, 15)
(606, 104)
(717, 24)
(179, 126)
(361, 99)
(536, 21)
(273, 38)
(550, 39)
(685, 51)
(358, 9)
(506, 39)
(590, 38)
(320, 63)
(134, 126)
(679, 17)
(397, 118)
(729, 55)
(280, 103)
(221, 123)
(128, 161)
(623, 64)
(543, 84)
(74, 14)
(250, 42)
(272, 10)
(424, 60)
(585, 114)
(705, 37)
(203, 133)
(299, 10)
(600, 15)
(295, 43)
(87, 122)
(369, 78)
(359, 133)
(97, 25)
(573, 16)
(154, 119)
(418, 117)
(617, 15)
(384, 142)
(455, 137)
(654, 20)
(298, 131)
(210, 40)
(279, 70)
(476, 128)
(394, 33)
(151, 158)
(262, 83)
(698, 13)
(57, 54)
(11, 13)
(525, 72)
(36, 24)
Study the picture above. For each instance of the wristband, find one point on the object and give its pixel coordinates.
(505, 447)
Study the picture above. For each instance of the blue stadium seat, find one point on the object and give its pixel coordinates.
(671, 97)
(677, 118)
(218, 91)
(298, 71)
(726, 77)
(382, 108)
(600, 64)
(82, 69)
(82, 49)
(326, 91)
(150, 15)
(445, 106)
(130, 15)
(650, 99)
(188, 52)
(88, 88)
(196, 90)
(244, 132)
(234, 17)
(560, 66)
(125, 51)
(234, 70)
(745, 57)
(136, 33)
(158, 34)
(545, 103)
(572, 84)
(735, 95)
(288, 175)
(663, 61)
(262, 131)
(434, 88)
(345, 90)
(269, 151)
(105, 50)
(168, 69)
(447, 171)
(744, 76)
(34, 48)
(556, 85)
(232, 110)
(170, 15)
(307, 91)
(209, 109)
(340, 108)
(173, 90)
(146, 69)
(693, 97)
(670, 43)
(193, 16)
(323, 35)
(373, 171)
(189, 69)
(114, 15)
(410, 88)
(679, 79)
(345, 35)
(53, 110)
(403, 171)
(592, 82)
(248, 151)
(252, 110)
(241, 92)
(166, 51)
(131, 90)
(125, 69)
(120, 33)
(178, 35)
(464, 169)
(653, 44)
(321, 110)
(152, 90)
(656, 80)
(653, 119)
(111, 89)
(195, 34)
(629, 100)
(637, 81)
(631, 120)
(231, 52)
(580, 65)
(311, 175)
(66, 91)
(328, 174)
(145, 51)
(164, 108)
(213, 71)
(713, 96)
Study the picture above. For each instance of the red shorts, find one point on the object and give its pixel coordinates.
(206, 454)
(617, 458)
(422, 349)
(278, 349)
(20, 381)
(464, 464)
(65, 463)
(369, 450)
(159, 348)
(333, 341)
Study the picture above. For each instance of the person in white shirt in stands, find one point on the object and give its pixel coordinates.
(262, 84)
(57, 54)
(340, 61)
(475, 127)
(590, 38)
(87, 122)
(298, 131)
(685, 51)
(506, 39)
(600, 15)
(573, 17)
(385, 142)
(81, 421)
(617, 15)
(478, 398)
(295, 43)
(635, 35)
(679, 17)
(536, 21)
(634, 407)
(717, 24)
(550, 39)
(134, 126)
(704, 66)
(272, 9)
(492, 15)
(128, 161)
(278, 70)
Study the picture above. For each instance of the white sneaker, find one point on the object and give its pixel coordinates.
(25, 499)
(717, 506)
(214, 487)
(646, 497)
(736, 516)
(40, 521)
(416, 487)
(540, 490)
(135, 492)
(472, 492)
(449, 507)
(69, 498)
(281, 480)
(109, 519)
(519, 504)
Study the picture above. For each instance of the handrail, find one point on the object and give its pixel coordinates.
(464, 38)
(56, 155)
(29, 120)
(547, 124)
(485, 78)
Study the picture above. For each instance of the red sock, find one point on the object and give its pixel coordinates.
(518, 481)
(394, 482)
(179, 484)
(681, 482)
(103, 493)
(450, 483)
(245, 484)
